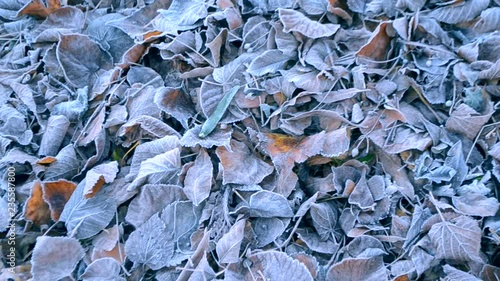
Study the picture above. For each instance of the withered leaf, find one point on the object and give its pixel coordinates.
(152, 199)
(460, 12)
(150, 244)
(102, 269)
(458, 239)
(228, 247)
(98, 176)
(240, 166)
(467, 121)
(285, 150)
(161, 169)
(81, 59)
(53, 137)
(268, 62)
(265, 263)
(175, 102)
(358, 269)
(55, 257)
(57, 194)
(219, 137)
(296, 21)
(85, 218)
(36, 209)
(198, 181)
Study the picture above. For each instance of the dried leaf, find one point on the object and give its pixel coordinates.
(264, 264)
(268, 62)
(358, 269)
(296, 21)
(175, 102)
(460, 11)
(150, 244)
(55, 258)
(180, 16)
(228, 247)
(458, 239)
(161, 169)
(152, 199)
(81, 59)
(36, 209)
(57, 194)
(240, 166)
(85, 218)
(198, 181)
(467, 121)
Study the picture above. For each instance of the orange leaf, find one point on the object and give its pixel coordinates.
(37, 9)
(133, 55)
(36, 209)
(46, 160)
(56, 194)
(378, 46)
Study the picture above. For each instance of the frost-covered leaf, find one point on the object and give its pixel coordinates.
(474, 204)
(240, 166)
(198, 181)
(180, 16)
(337, 142)
(267, 230)
(489, 20)
(460, 11)
(467, 121)
(458, 239)
(264, 264)
(152, 199)
(99, 175)
(110, 38)
(66, 165)
(150, 149)
(176, 103)
(286, 150)
(219, 137)
(161, 169)
(53, 137)
(55, 258)
(74, 109)
(296, 21)
(266, 204)
(13, 125)
(103, 269)
(314, 7)
(453, 274)
(228, 247)
(268, 62)
(151, 244)
(81, 59)
(324, 219)
(84, 217)
(412, 5)
(358, 269)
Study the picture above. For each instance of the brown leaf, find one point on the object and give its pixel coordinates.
(36, 209)
(175, 102)
(35, 8)
(56, 194)
(378, 45)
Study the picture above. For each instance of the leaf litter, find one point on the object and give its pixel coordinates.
(250, 140)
